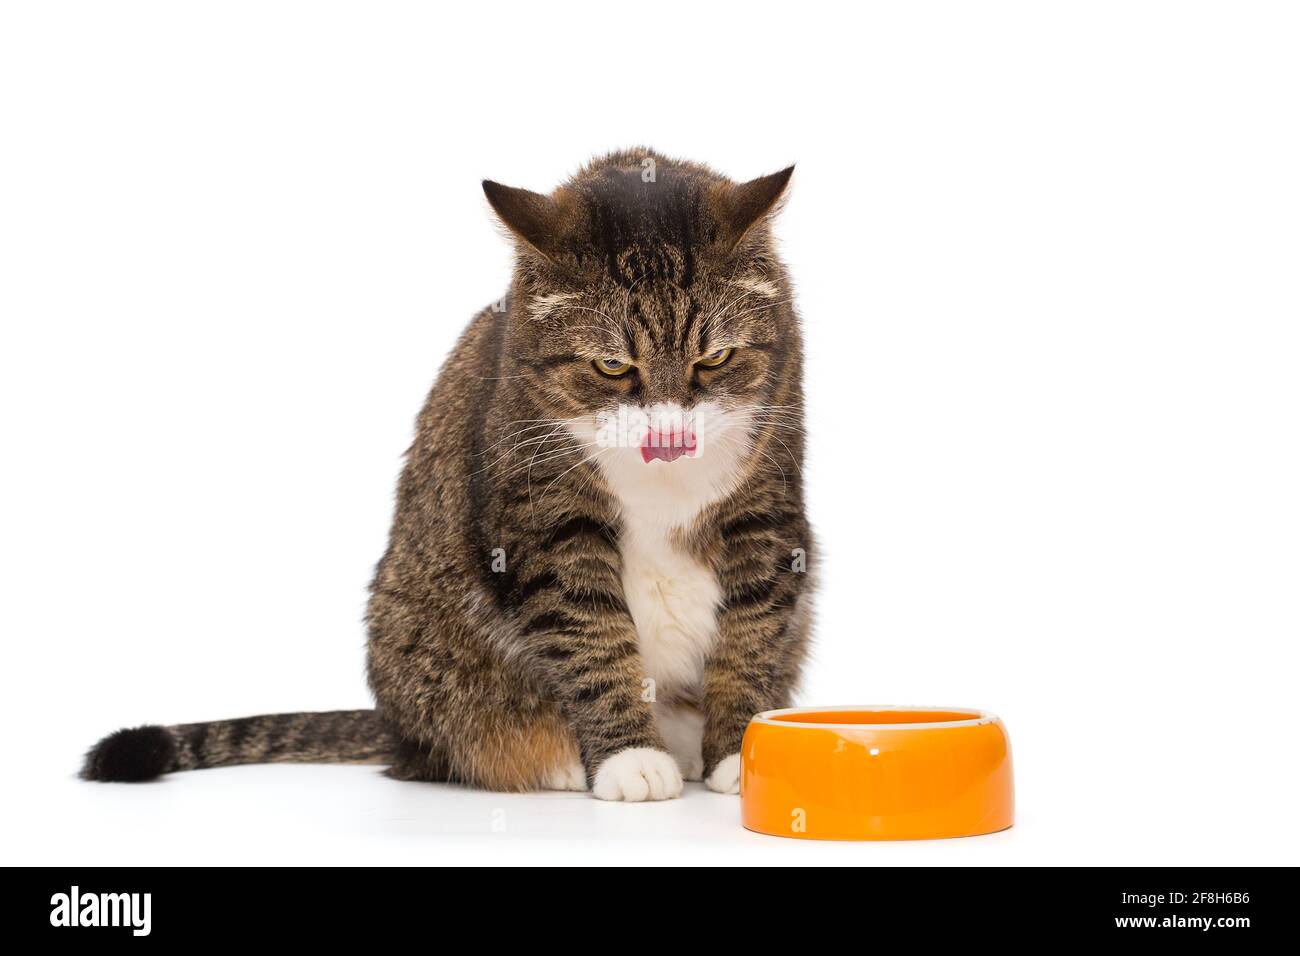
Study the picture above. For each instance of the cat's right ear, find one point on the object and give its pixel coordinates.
(741, 206)
(536, 219)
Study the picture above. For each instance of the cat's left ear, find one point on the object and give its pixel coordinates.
(536, 219)
(739, 207)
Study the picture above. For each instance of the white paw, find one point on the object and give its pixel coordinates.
(638, 773)
(571, 777)
(726, 775)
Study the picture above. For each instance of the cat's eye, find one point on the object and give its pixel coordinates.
(716, 359)
(614, 368)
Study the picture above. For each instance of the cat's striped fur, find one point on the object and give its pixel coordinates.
(554, 610)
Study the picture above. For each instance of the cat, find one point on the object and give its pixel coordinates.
(597, 570)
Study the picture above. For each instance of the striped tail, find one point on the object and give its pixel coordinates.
(336, 736)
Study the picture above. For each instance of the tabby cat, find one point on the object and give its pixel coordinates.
(597, 570)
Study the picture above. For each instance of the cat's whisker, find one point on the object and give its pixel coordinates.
(793, 460)
(615, 329)
(588, 459)
(549, 456)
(588, 480)
(770, 423)
(770, 458)
(749, 447)
(541, 456)
(586, 308)
(542, 423)
(789, 426)
(558, 427)
(636, 282)
(760, 308)
(726, 312)
(578, 449)
(594, 328)
(540, 442)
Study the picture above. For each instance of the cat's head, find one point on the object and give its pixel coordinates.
(649, 309)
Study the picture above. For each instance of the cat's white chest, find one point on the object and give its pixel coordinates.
(674, 599)
(674, 602)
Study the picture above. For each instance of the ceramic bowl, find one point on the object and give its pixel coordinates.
(876, 773)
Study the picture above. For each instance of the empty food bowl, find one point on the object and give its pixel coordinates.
(876, 773)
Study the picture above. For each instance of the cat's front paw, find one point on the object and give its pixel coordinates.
(726, 775)
(636, 774)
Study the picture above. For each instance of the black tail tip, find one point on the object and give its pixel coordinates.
(131, 755)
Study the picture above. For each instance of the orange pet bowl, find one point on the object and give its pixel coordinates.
(876, 773)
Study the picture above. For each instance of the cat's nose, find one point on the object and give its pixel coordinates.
(668, 445)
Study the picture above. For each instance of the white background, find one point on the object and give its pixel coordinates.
(1047, 262)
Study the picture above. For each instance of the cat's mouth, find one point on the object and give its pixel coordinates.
(668, 445)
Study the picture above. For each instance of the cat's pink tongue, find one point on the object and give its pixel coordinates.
(667, 446)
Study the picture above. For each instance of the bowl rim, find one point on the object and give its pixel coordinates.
(977, 717)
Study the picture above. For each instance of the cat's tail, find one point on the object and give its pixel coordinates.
(336, 736)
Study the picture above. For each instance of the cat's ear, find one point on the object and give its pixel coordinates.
(534, 218)
(740, 206)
